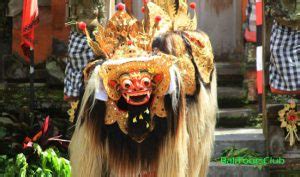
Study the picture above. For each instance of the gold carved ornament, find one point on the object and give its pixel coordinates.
(290, 120)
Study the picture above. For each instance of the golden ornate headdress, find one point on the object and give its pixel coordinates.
(121, 29)
(126, 37)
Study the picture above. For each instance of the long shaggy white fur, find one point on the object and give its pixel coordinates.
(174, 155)
(201, 119)
(92, 85)
(86, 155)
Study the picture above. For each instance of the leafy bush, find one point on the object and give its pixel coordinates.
(234, 152)
(40, 163)
(19, 131)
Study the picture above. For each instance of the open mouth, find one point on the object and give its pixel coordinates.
(139, 98)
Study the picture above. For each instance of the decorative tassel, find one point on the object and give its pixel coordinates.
(147, 111)
(141, 117)
(72, 110)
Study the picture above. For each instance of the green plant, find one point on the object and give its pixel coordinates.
(18, 132)
(279, 99)
(37, 162)
(256, 120)
(234, 152)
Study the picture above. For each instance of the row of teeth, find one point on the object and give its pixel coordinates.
(128, 96)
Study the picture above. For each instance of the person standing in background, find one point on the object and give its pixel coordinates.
(91, 12)
(284, 46)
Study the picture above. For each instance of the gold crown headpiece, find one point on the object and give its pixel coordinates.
(125, 36)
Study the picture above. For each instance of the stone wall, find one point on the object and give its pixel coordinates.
(222, 21)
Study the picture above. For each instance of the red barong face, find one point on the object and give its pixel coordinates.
(136, 87)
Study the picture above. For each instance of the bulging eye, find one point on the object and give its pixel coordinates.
(146, 82)
(127, 84)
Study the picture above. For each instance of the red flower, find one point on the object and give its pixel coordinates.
(82, 26)
(157, 19)
(129, 42)
(143, 9)
(120, 6)
(292, 117)
(193, 5)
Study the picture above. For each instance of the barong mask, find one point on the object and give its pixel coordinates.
(134, 79)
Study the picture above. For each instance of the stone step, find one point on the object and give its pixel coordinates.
(229, 68)
(237, 117)
(230, 81)
(233, 57)
(251, 138)
(236, 112)
(231, 92)
(231, 97)
(229, 74)
(227, 170)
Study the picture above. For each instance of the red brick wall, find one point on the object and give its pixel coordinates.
(58, 11)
